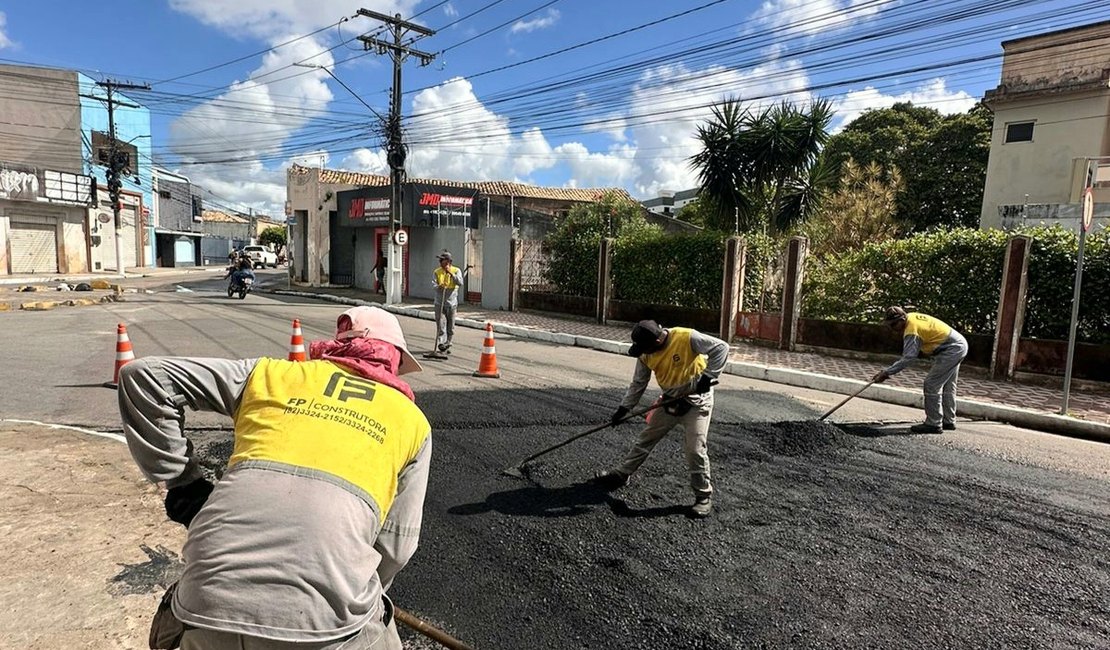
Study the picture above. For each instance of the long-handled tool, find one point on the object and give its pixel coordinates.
(517, 471)
(846, 400)
(429, 630)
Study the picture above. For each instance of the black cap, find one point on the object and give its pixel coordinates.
(645, 338)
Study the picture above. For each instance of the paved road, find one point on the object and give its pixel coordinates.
(848, 537)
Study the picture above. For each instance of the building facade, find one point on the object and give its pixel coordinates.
(669, 202)
(45, 198)
(1051, 117)
(338, 222)
(177, 219)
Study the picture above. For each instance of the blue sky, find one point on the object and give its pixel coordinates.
(621, 111)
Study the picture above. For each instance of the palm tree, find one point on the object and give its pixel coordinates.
(763, 168)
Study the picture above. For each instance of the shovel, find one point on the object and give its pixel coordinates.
(517, 471)
(846, 400)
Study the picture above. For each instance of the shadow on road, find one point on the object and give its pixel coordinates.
(569, 501)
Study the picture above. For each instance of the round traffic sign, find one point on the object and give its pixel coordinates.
(400, 238)
(1088, 209)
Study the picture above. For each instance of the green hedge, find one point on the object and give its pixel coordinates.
(683, 269)
(956, 276)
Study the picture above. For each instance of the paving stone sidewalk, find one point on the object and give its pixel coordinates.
(1087, 404)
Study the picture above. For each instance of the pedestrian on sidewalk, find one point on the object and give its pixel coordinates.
(447, 278)
(379, 271)
(923, 335)
(685, 363)
(320, 507)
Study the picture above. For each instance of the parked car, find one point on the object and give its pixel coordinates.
(261, 256)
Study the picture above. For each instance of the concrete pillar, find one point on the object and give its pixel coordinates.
(792, 291)
(732, 286)
(1011, 307)
(604, 279)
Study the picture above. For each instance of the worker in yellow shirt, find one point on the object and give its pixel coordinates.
(923, 335)
(447, 279)
(686, 363)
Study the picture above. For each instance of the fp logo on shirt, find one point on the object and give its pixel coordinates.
(348, 386)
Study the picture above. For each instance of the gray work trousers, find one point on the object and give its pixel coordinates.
(940, 383)
(695, 425)
(445, 323)
(375, 636)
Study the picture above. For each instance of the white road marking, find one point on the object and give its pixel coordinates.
(102, 434)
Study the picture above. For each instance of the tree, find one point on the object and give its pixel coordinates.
(949, 172)
(697, 212)
(274, 237)
(572, 248)
(860, 211)
(763, 168)
(883, 135)
(943, 160)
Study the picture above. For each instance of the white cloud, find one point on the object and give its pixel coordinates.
(616, 168)
(366, 160)
(934, 93)
(670, 101)
(539, 22)
(450, 11)
(457, 137)
(241, 186)
(812, 17)
(268, 18)
(4, 40)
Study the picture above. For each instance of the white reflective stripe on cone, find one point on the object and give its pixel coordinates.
(126, 355)
(488, 350)
(296, 348)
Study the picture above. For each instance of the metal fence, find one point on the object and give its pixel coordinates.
(533, 267)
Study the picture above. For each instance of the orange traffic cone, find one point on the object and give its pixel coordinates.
(487, 365)
(296, 344)
(124, 354)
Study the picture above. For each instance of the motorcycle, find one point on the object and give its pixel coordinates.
(241, 286)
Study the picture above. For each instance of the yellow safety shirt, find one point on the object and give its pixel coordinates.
(931, 331)
(317, 419)
(677, 363)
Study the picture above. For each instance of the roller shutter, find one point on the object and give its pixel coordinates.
(34, 248)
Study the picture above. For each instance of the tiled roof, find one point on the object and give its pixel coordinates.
(221, 217)
(491, 188)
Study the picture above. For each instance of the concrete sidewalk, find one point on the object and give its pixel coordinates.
(1022, 404)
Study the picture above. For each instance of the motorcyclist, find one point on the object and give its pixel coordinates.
(245, 271)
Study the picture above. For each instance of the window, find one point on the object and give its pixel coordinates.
(1019, 132)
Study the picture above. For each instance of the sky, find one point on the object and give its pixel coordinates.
(564, 93)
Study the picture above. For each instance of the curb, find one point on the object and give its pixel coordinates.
(1046, 422)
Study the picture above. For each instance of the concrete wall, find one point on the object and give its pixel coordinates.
(175, 212)
(496, 249)
(424, 244)
(1042, 169)
(69, 223)
(1071, 56)
(41, 116)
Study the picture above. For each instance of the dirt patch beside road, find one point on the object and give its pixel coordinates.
(88, 550)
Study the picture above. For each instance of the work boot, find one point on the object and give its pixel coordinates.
(610, 480)
(948, 426)
(445, 348)
(703, 505)
(925, 427)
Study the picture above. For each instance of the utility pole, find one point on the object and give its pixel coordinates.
(395, 147)
(118, 161)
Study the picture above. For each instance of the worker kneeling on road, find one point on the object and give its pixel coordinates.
(322, 501)
(928, 336)
(685, 363)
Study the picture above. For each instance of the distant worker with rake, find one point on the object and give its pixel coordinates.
(322, 501)
(686, 364)
(923, 335)
(447, 278)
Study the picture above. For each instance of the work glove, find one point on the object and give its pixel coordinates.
(185, 501)
(618, 415)
(705, 382)
(880, 377)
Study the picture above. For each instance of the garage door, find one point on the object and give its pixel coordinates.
(34, 248)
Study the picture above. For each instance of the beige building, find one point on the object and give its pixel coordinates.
(1051, 115)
